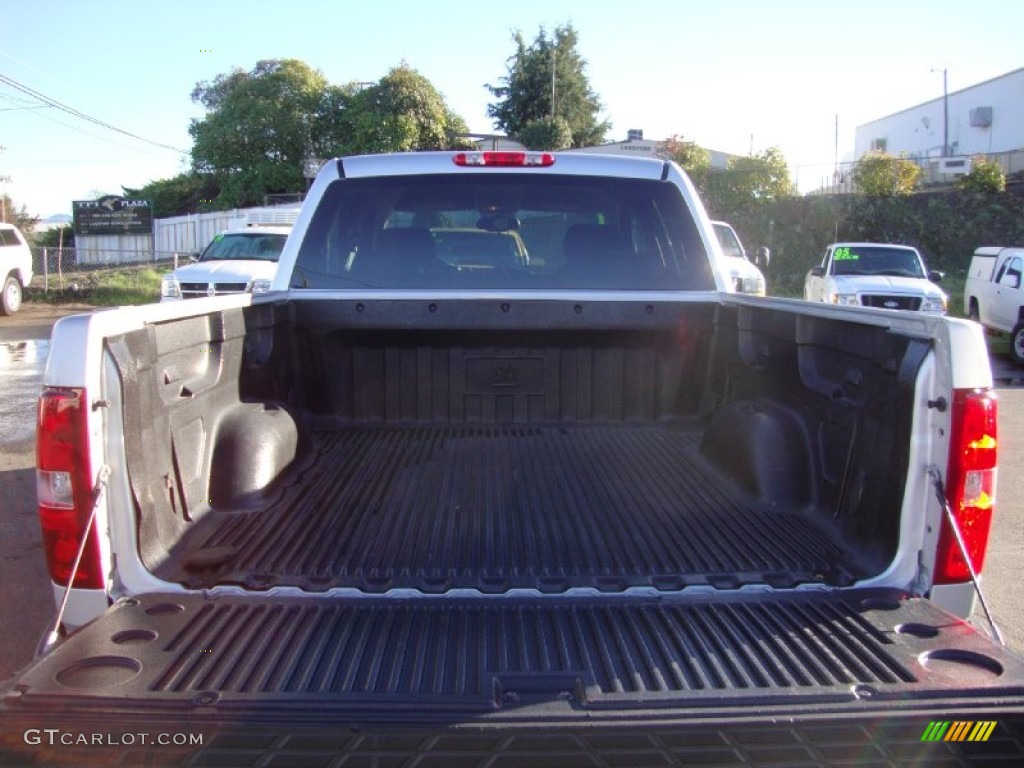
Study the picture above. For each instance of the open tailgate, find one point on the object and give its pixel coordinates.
(753, 677)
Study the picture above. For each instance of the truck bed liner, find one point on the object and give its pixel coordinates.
(493, 508)
(812, 678)
(469, 654)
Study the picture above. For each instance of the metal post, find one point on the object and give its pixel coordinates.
(945, 116)
(552, 80)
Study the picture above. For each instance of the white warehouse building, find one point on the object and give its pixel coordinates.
(944, 134)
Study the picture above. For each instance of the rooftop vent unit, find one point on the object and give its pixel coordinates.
(635, 134)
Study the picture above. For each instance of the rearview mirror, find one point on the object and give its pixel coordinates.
(761, 257)
(818, 271)
(935, 276)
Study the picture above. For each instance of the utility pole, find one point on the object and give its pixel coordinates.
(552, 82)
(945, 113)
(835, 171)
(945, 116)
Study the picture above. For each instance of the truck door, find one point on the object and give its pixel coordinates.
(1006, 294)
(814, 283)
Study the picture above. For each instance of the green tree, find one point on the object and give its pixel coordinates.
(262, 125)
(551, 133)
(985, 176)
(695, 160)
(749, 181)
(878, 173)
(179, 195)
(402, 112)
(19, 217)
(56, 236)
(549, 69)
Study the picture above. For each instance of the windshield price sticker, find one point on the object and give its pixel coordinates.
(843, 254)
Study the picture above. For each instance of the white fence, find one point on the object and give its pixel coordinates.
(192, 233)
(177, 235)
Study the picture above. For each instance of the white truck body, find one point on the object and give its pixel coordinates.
(590, 491)
(994, 296)
(879, 275)
(745, 276)
(242, 260)
(15, 268)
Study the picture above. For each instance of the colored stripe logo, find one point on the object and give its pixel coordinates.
(958, 730)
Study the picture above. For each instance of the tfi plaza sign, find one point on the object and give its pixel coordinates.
(112, 215)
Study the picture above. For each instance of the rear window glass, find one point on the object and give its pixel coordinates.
(502, 231)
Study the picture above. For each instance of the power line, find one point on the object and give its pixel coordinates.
(81, 115)
(76, 129)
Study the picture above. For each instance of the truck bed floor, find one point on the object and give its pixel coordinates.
(493, 508)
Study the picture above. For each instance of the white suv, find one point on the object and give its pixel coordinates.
(237, 261)
(15, 267)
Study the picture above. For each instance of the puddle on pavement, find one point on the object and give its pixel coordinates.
(21, 378)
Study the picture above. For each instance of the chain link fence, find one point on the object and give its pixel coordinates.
(62, 271)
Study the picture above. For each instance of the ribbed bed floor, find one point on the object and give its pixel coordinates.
(495, 508)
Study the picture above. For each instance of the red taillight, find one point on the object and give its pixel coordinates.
(505, 159)
(970, 484)
(64, 487)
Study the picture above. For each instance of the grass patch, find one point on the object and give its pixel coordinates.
(107, 288)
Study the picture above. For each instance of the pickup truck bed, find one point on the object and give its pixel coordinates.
(290, 448)
(493, 508)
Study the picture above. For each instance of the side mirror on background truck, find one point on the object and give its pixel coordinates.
(818, 271)
(761, 257)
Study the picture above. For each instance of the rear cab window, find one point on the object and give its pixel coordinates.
(505, 231)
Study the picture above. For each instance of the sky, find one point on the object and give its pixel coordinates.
(733, 75)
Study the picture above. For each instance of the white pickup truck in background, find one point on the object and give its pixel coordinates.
(745, 275)
(880, 275)
(15, 268)
(993, 294)
(236, 261)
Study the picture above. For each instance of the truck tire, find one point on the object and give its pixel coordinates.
(1017, 344)
(10, 300)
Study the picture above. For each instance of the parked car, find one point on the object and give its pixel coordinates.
(993, 295)
(236, 261)
(743, 273)
(15, 266)
(880, 275)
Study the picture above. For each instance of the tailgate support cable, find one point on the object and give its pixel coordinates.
(940, 492)
(97, 492)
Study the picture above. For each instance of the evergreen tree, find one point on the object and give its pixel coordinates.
(547, 80)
